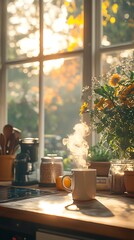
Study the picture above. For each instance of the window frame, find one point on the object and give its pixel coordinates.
(91, 52)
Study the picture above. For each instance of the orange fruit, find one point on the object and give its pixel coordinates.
(59, 185)
(67, 182)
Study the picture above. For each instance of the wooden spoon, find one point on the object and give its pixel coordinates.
(17, 132)
(7, 131)
(12, 142)
(2, 144)
(16, 146)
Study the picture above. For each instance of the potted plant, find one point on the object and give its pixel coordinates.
(99, 158)
(111, 108)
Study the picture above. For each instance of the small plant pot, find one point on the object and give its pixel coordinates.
(102, 168)
(129, 181)
(6, 167)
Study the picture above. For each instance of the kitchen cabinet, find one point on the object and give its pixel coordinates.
(42, 235)
(13, 229)
(4, 235)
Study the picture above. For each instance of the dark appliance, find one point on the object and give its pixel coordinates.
(25, 166)
(12, 193)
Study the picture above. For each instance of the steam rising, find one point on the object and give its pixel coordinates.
(78, 145)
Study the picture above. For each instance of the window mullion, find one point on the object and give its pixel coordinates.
(97, 33)
(41, 88)
(89, 50)
(3, 85)
(117, 47)
(87, 55)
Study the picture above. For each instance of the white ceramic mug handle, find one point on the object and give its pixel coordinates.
(68, 189)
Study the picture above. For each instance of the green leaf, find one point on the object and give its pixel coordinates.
(100, 128)
(131, 75)
(100, 91)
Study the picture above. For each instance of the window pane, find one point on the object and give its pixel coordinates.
(23, 98)
(62, 95)
(22, 29)
(109, 59)
(63, 26)
(117, 21)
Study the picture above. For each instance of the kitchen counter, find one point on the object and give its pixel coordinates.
(108, 215)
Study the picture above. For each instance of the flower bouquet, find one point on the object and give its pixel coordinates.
(111, 108)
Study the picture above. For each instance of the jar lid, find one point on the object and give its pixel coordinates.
(29, 141)
(51, 159)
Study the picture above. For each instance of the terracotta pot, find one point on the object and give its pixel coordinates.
(129, 181)
(102, 168)
(6, 167)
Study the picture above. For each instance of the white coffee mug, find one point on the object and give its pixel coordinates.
(83, 184)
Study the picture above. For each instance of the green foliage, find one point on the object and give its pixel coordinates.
(99, 153)
(67, 164)
(120, 30)
(22, 119)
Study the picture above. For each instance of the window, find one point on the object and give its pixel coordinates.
(117, 39)
(49, 50)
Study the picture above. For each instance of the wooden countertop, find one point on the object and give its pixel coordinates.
(108, 215)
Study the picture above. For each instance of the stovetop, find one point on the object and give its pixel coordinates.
(11, 193)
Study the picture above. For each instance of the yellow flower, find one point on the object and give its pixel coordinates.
(130, 89)
(114, 80)
(112, 20)
(100, 105)
(84, 108)
(126, 96)
(109, 104)
(115, 7)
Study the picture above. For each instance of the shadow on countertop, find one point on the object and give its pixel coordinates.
(91, 208)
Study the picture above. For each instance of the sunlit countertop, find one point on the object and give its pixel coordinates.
(108, 215)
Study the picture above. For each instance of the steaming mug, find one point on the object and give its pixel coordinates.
(83, 184)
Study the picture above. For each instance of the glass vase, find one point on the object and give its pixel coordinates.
(116, 175)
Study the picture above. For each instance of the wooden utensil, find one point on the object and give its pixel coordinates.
(17, 132)
(7, 131)
(2, 144)
(16, 146)
(12, 141)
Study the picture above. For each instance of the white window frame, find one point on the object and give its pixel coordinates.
(91, 52)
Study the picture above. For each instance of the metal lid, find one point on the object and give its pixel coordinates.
(48, 159)
(29, 141)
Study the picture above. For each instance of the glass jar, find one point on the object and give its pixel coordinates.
(51, 167)
(116, 175)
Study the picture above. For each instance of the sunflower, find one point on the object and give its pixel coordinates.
(127, 96)
(114, 80)
(84, 108)
(129, 89)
